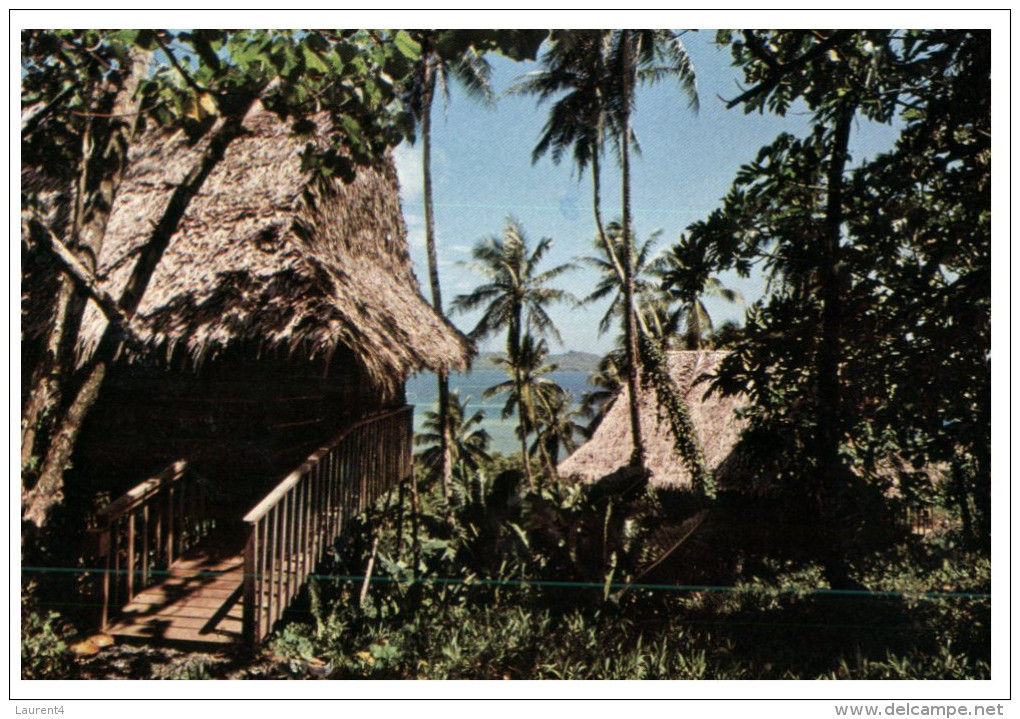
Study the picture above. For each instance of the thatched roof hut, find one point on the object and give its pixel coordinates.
(265, 255)
(719, 429)
(283, 309)
(715, 420)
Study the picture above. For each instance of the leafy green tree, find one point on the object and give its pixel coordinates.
(685, 278)
(558, 428)
(85, 94)
(515, 297)
(920, 371)
(875, 339)
(574, 66)
(799, 185)
(607, 380)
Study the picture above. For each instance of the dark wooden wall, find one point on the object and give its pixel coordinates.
(243, 420)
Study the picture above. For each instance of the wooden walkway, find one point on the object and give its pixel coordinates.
(198, 601)
(172, 573)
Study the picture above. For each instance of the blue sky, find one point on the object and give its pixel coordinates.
(482, 173)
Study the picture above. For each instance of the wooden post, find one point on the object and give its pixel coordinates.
(281, 597)
(316, 510)
(288, 545)
(182, 519)
(262, 619)
(145, 545)
(104, 618)
(170, 538)
(115, 535)
(302, 537)
(273, 536)
(131, 557)
(157, 541)
(249, 611)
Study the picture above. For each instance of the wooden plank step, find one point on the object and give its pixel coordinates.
(176, 634)
(232, 578)
(226, 624)
(204, 567)
(142, 611)
(164, 595)
(194, 603)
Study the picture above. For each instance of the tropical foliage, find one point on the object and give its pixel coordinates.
(866, 365)
(871, 268)
(469, 441)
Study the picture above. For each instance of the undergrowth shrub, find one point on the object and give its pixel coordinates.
(553, 584)
(44, 645)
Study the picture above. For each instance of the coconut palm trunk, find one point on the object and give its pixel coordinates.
(442, 378)
(630, 325)
(513, 353)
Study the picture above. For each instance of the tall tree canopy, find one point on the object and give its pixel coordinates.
(875, 338)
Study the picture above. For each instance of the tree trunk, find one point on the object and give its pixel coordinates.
(105, 155)
(513, 353)
(828, 359)
(630, 328)
(596, 181)
(48, 491)
(443, 379)
(547, 460)
(524, 425)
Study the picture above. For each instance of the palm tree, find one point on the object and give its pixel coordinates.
(530, 393)
(557, 429)
(633, 57)
(597, 71)
(516, 295)
(436, 70)
(610, 284)
(607, 379)
(469, 445)
(574, 64)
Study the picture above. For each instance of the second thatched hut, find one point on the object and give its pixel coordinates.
(715, 420)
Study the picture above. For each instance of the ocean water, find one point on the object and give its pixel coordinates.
(421, 392)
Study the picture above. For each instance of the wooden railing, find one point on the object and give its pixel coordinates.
(292, 527)
(140, 534)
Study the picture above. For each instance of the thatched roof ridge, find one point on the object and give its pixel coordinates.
(267, 256)
(715, 420)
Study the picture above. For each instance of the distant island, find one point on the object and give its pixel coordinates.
(570, 361)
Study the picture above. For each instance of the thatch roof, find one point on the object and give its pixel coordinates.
(719, 428)
(265, 256)
(715, 420)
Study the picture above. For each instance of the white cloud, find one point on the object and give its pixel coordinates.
(409, 170)
(459, 248)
